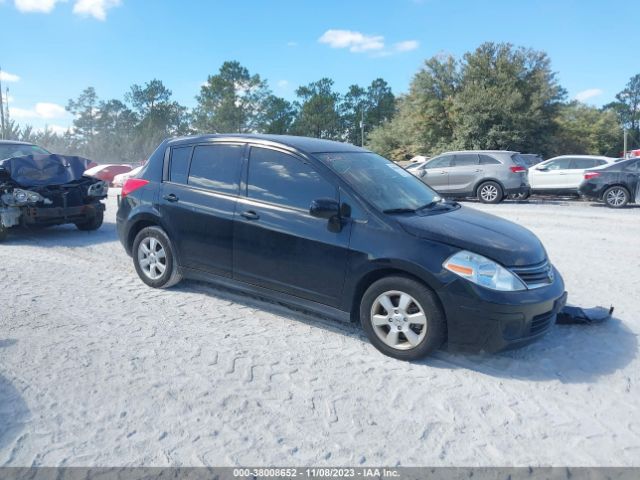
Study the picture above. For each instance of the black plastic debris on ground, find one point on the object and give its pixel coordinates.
(570, 315)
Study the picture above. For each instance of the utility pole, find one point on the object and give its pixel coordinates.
(1, 108)
(624, 152)
(362, 127)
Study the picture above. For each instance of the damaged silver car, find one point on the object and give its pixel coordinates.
(41, 189)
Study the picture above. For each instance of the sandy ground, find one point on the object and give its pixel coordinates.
(96, 369)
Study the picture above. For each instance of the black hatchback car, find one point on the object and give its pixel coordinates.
(616, 184)
(336, 229)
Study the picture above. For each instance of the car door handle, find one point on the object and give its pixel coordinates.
(250, 215)
(170, 198)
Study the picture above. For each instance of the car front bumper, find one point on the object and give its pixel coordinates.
(60, 215)
(479, 319)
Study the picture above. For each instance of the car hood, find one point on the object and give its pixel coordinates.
(479, 232)
(41, 170)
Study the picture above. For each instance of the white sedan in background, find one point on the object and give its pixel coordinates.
(564, 174)
(119, 180)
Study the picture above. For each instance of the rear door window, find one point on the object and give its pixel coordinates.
(466, 159)
(216, 167)
(278, 177)
(582, 163)
(179, 166)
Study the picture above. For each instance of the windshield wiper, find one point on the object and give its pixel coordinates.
(399, 210)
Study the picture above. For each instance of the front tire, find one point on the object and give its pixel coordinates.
(490, 192)
(616, 197)
(154, 258)
(94, 224)
(520, 196)
(402, 318)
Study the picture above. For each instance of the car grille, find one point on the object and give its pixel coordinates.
(541, 323)
(535, 276)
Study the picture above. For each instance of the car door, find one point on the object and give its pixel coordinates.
(464, 172)
(277, 243)
(435, 173)
(197, 204)
(549, 175)
(631, 178)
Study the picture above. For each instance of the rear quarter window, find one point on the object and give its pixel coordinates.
(488, 160)
(179, 166)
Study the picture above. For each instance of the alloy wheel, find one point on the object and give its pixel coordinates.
(398, 320)
(489, 193)
(152, 258)
(616, 197)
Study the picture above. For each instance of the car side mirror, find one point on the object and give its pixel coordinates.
(324, 208)
(543, 168)
(422, 172)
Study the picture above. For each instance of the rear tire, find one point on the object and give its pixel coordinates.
(94, 224)
(490, 192)
(616, 197)
(3, 233)
(154, 258)
(412, 325)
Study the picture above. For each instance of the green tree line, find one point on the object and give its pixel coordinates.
(496, 97)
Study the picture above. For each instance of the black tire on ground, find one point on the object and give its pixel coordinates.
(616, 197)
(372, 318)
(94, 224)
(490, 192)
(163, 270)
(520, 196)
(3, 233)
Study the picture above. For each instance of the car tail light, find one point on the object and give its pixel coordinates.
(518, 169)
(131, 185)
(590, 175)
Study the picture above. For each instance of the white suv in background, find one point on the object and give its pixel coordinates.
(563, 174)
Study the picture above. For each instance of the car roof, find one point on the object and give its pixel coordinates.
(303, 144)
(14, 142)
(479, 151)
(597, 157)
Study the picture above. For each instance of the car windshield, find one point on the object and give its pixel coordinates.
(10, 150)
(389, 187)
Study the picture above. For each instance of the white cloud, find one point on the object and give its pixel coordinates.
(35, 6)
(292, 44)
(358, 42)
(406, 46)
(58, 129)
(94, 8)
(282, 83)
(8, 77)
(41, 110)
(354, 41)
(587, 94)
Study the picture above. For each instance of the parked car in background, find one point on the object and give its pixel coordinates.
(334, 228)
(48, 189)
(413, 161)
(616, 184)
(489, 175)
(107, 172)
(531, 159)
(563, 174)
(119, 179)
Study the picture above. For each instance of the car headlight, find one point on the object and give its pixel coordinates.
(482, 271)
(20, 196)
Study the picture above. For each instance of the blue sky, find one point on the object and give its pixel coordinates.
(50, 50)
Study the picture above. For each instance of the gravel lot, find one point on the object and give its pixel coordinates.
(96, 369)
